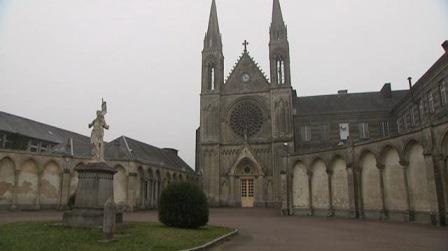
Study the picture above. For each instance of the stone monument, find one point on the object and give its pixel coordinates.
(95, 181)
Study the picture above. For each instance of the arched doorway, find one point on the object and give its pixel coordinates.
(247, 175)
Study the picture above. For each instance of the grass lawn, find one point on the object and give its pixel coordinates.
(133, 236)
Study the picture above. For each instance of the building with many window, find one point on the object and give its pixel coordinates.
(37, 166)
(371, 155)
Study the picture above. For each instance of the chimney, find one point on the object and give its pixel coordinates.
(386, 91)
(342, 91)
(445, 46)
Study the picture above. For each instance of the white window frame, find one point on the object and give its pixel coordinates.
(344, 131)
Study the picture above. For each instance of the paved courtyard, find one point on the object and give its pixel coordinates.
(265, 229)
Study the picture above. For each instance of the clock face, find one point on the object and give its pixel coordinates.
(245, 77)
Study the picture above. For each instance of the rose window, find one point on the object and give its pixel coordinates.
(246, 119)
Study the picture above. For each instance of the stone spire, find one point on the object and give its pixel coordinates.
(213, 36)
(278, 27)
(279, 49)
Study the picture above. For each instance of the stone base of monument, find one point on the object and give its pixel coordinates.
(95, 187)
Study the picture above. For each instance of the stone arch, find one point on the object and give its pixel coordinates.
(27, 189)
(174, 177)
(417, 178)
(50, 185)
(181, 178)
(7, 180)
(395, 197)
(319, 185)
(300, 189)
(339, 183)
(370, 183)
(120, 185)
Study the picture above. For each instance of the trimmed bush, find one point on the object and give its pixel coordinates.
(183, 205)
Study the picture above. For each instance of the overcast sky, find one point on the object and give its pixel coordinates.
(58, 58)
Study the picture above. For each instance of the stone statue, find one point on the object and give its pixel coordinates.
(96, 139)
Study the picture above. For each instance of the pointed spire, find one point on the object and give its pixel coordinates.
(277, 16)
(278, 27)
(213, 36)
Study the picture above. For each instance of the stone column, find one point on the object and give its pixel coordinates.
(65, 189)
(232, 190)
(39, 190)
(330, 192)
(351, 185)
(310, 194)
(358, 192)
(131, 191)
(283, 195)
(405, 165)
(435, 193)
(384, 213)
(15, 189)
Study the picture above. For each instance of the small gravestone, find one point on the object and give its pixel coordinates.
(109, 219)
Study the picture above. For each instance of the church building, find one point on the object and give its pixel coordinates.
(379, 155)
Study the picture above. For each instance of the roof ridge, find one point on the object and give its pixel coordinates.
(348, 94)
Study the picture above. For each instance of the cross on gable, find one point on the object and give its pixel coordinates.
(245, 45)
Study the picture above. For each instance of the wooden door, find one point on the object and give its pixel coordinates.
(247, 193)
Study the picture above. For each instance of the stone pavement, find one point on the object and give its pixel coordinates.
(265, 229)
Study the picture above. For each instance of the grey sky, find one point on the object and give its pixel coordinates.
(59, 58)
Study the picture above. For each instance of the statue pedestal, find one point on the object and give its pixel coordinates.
(95, 187)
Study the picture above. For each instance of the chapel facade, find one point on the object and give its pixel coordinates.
(379, 155)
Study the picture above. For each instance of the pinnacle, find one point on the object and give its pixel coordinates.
(277, 16)
(213, 36)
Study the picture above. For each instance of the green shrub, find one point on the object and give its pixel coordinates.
(183, 205)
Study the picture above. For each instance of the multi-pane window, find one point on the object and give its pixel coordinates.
(384, 128)
(37, 146)
(305, 133)
(325, 132)
(34, 146)
(443, 93)
(44, 147)
(2, 141)
(430, 102)
(364, 130)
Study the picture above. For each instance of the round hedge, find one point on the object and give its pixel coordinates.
(183, 205)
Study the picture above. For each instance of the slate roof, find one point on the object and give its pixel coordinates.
(122, 148)
(351, 102)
